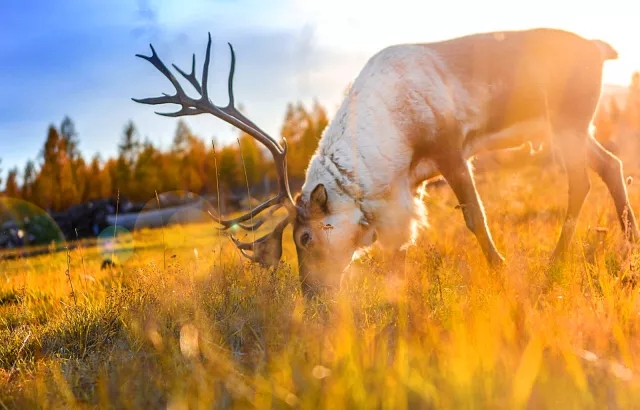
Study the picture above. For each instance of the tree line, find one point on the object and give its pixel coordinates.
(61, 177)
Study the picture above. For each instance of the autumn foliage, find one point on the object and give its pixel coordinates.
(61, 177)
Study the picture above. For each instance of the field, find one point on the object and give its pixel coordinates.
(183, 323)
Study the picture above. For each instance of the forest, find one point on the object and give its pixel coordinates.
(60, 177)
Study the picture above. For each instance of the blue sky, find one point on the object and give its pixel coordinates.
(76, 58)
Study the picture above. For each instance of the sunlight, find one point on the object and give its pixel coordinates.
(361, 33)
(128, 278)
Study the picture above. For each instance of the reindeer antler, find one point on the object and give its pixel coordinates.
(268, 249)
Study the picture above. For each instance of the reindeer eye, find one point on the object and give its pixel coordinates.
(305, 238)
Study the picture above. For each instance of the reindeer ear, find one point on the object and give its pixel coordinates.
(319, 198)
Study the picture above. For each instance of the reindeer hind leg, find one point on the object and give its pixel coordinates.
(609, 169)
(571, 148)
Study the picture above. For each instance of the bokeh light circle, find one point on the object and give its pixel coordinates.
(23, 223)
(116, 244)
(176, 208)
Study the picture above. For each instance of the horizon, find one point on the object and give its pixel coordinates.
(79, 59)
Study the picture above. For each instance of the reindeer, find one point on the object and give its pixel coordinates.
(418, 111)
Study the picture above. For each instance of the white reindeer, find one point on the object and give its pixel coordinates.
(417, 111)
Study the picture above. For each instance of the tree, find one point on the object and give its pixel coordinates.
(130, 145)
(12, 189)
(292, 129)
(302, 129)
(49, 152)
(69, 193)
(228, 168)
(168, 172)
(123, 181)
(252, 157)
(128, 151)
(317, 121)
(181, 138)
(69, 137)
(110, 172)
(93, 182)
(145, 173)
(81, 178)
(48, 179)
(28, 179)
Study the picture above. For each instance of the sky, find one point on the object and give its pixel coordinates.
(77, 58)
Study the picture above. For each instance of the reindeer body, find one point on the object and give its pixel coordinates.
(421, 110)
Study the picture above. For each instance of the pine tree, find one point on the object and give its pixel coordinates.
(198, 163)
(123, 182)
(81, 178)
(69, 137)
(69, 193)
(128, 151)
(93, 182)
(168, 172)
(145, 173)
(229, 168)
(47, 194)
(12, 190)
(303, 128)
(28, 179)
(105, 187)
(252, 156)
(130, 144)
(181, 138)
(293, 127)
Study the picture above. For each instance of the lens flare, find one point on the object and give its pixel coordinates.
(23, 223)
(116, 244)
(175, 208)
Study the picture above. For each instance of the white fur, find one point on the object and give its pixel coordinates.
(399, 90)
(366, 139)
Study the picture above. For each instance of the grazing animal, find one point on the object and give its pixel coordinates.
(417, 111)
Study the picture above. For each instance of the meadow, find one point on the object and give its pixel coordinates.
(184, 323)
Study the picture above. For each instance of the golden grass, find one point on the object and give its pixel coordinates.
(208, 331)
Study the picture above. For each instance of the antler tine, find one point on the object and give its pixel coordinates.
(190, 77)
(232, 108)
(276, 200)
(253, 227)
(180, 97)
(157, 63)
(226, 224)
(267, 250)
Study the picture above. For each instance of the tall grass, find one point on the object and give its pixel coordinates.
(211, 331)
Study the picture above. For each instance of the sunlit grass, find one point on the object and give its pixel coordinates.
(185, 323)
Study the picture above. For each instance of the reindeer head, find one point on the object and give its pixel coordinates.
(320, 244)
(328, 229)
